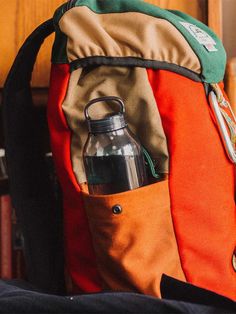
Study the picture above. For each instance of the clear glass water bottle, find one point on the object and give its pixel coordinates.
(113, 157)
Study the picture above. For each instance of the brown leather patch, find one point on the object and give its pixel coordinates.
(134, 245)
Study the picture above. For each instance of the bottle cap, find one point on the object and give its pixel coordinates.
(108, 124)
(112, 122)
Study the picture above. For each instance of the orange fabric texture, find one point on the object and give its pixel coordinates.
(79, 252)
(201, 183)
(135, 247)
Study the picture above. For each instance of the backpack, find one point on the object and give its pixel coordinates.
(169, 69)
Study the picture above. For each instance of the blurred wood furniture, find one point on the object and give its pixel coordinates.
(20, 18)
(230, 82)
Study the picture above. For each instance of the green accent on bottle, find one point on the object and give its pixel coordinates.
(150, 163)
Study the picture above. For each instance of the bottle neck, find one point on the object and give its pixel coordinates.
(121, 131)
(108, 124)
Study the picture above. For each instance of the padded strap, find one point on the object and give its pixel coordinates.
(22, 68)
(30, 186)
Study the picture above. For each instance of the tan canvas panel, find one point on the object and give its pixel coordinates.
(129, 34)
(142, 115)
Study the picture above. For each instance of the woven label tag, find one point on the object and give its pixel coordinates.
(201, 36)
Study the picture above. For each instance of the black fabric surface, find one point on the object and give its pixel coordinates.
(17, 297)
(174, 289)
(38, 211)
(133, 62)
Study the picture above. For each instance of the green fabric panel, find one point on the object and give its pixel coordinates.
(213, 63)
(59, 53)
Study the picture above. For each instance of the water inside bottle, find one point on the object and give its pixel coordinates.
(114, 173)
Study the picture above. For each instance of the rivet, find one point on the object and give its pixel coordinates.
(117, 209)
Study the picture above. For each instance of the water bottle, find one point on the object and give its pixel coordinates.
(113, 157)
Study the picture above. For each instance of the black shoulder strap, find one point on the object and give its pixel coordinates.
(22, 68)
(30, 186)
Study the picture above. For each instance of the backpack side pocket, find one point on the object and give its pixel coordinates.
(133, 238)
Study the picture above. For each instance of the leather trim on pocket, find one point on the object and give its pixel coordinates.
(136, 244)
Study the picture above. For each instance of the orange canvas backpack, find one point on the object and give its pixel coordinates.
(168, 68)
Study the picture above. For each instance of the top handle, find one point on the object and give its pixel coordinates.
(105, 99)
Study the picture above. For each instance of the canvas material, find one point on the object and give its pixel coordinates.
(212, 62)
(91, 34)
(79, 253)
(201, 182)
(134, 248)
(142, 116)
(201, 197)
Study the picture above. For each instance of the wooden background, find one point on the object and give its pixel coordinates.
(18, 18)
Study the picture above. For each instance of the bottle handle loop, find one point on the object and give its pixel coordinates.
(104, 99)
